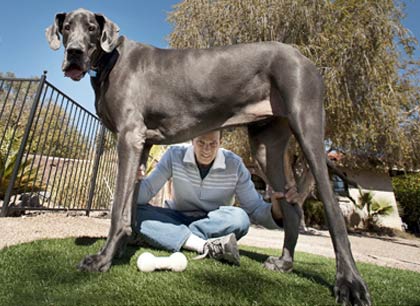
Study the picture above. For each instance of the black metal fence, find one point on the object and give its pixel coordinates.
(54, 154)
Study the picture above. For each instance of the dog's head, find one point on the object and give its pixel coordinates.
(83, 33)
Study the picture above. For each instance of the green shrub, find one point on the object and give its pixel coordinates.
(407, 192)
(374, 209)
(314, 213)
(27, 176)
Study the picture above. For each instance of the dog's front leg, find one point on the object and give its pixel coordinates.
(134, 236)
(130, 146)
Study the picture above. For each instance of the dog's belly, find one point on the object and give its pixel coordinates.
(251, 113)
(187, 129)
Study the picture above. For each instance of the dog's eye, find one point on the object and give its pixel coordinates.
(91, 28)
(67, 27)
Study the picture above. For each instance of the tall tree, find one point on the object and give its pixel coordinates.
(362, 49)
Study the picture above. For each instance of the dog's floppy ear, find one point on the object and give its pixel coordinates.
(110, 32)
(53, 32)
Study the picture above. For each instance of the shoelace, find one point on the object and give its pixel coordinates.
(201, 256)
(217, 248)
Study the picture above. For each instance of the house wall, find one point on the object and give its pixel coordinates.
(381, 187)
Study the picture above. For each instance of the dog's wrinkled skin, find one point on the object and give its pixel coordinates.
(153, 96)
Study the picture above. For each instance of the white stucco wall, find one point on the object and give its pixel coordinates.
(381, 187)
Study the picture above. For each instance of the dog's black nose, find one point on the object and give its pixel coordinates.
(74, 52)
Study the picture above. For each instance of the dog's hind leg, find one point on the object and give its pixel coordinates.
(309, 131)
(269, 144)
(130, 147)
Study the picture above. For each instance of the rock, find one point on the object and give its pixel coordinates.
(30, 200)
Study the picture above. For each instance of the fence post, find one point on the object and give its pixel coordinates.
(22, 145)
(98, 155)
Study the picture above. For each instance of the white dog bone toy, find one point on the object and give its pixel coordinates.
(147, 262)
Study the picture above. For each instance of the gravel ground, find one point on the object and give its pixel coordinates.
(384, 251)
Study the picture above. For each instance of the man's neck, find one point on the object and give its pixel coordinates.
(204, 169)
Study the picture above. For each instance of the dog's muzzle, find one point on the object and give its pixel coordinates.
(74, 66)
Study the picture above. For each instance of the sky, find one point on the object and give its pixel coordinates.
(24, 49)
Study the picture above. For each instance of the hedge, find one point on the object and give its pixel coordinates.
(407, 192)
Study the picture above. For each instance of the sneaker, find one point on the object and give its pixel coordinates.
(224, 249)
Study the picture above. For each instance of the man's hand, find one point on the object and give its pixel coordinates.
(290, 196)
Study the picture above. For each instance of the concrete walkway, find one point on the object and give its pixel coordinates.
(383, 251)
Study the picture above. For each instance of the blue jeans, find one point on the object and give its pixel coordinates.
(168, 229)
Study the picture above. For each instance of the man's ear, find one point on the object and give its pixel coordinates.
(110, 32)
(53, 32)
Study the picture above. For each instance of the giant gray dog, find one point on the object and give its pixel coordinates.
(152, 96)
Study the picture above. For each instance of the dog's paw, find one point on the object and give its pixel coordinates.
(94, 263)
(278, 264)
(351, 290)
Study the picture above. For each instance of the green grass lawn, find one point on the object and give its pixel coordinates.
(44, 273)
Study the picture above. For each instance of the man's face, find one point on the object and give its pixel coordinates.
(206, 146)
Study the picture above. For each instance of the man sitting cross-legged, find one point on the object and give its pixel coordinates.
(201, 216)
